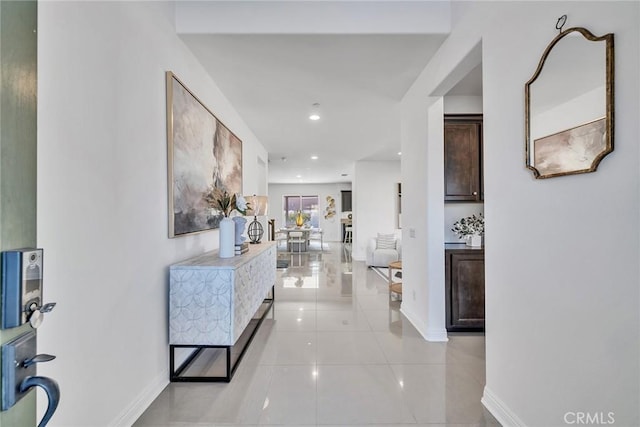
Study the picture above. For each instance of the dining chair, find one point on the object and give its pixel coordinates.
(280, 236)
(296, 238)
(348, 234)
(317, 234)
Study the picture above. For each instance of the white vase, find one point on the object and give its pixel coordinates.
(474, 240)
(227, 238)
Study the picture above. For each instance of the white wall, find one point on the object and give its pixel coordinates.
(331, 227)
(423, 301)
(579, 303)
(102, 200)
(458, 104)
(374, 200)
(562, 276)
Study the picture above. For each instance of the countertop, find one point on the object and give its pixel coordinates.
(212, 259)
(462, 247)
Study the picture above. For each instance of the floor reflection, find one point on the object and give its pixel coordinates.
(336, 350)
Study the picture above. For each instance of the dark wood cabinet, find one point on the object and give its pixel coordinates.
(346, 200)
(464, 287)
(463, 158)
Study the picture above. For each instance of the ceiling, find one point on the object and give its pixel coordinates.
(358, 80)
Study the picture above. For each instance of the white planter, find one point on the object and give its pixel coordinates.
(227, 238)
(474, 240)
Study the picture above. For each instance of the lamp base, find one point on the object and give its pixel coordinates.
(255, 231)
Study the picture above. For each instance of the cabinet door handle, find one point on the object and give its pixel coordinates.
(475, 193)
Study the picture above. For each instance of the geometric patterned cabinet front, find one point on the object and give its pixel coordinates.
(212, 299)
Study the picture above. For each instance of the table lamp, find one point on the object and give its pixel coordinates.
(258, 206)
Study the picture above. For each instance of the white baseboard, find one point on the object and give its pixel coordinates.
(142, 402)
(430, 334)
(500, 410)
(436, 335)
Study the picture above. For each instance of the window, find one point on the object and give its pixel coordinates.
(308, 205)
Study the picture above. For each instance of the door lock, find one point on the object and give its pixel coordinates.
(35, 312)
(19, 361)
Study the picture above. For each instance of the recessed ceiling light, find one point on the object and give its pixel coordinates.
(315, 112)
(399, 153)
(298, 176)
(314, 157)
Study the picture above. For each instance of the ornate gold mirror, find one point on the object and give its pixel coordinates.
(569, 105)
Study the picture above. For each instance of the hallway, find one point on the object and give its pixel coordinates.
(335, 351)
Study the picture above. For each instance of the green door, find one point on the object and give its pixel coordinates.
(18, 90)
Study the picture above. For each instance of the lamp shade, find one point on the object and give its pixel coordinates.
(258, 205)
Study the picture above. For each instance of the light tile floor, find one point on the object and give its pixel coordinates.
(335, 351)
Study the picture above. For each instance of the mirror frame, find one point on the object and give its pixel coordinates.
(609, 101)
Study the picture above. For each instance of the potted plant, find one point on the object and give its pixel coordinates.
(225, 203)
(470, 228)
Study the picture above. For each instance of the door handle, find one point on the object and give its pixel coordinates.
(39, 358)
(52, 390)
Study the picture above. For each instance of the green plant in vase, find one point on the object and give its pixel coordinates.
(470, 228)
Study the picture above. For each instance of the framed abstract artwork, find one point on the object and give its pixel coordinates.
(202, 154)
(572, 150)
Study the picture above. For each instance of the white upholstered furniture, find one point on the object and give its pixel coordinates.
(218, 303)
(379, 254)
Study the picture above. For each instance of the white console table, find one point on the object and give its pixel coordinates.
(215, 307)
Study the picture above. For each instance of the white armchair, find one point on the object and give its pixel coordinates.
(384, 249)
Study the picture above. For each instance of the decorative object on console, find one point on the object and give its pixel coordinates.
(240, 223)
(202, 153)
(569, 107)
(225, 203)
(241, 248)
(470, 228)
(227, 238)
(259, 207)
